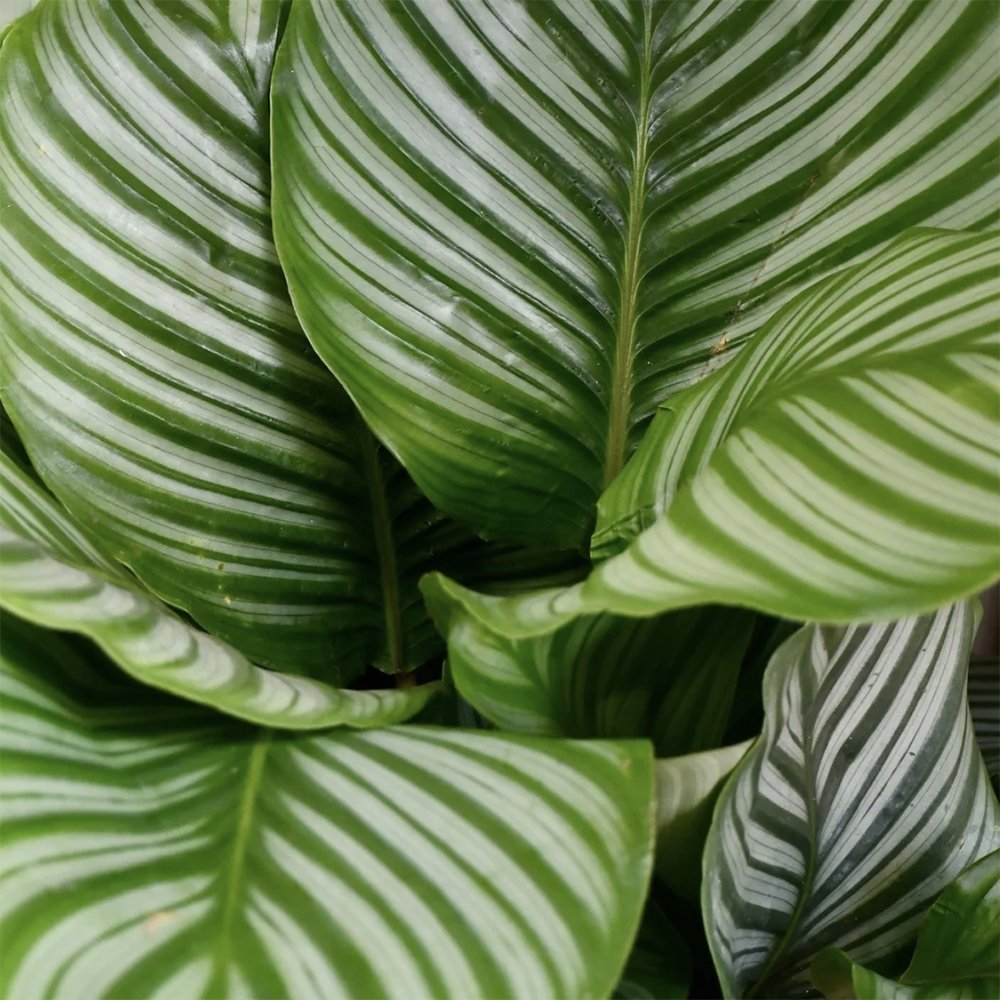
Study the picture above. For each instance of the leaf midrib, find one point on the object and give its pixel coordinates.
(385, 549)
(620, 405)
(233, 890)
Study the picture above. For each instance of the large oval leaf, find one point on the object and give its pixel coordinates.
(846, 466)
(864, 797)
(152, 360)
(149, 851)
(513, 229)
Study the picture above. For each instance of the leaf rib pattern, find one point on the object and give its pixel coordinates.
(411, 864)
(153, 362)
(669, 679)
(863, 798)
(513, 230)
(843, 468)
(54, 575)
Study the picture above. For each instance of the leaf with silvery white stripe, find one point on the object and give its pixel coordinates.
(55, 575)
(152, 849)
(864, 797)
(845, 467)
(957, 956)
(515, 229)
(151, 359)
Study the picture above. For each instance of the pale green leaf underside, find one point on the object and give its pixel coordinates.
(669, 679)
(863, 798)
(686, 790)
(152, 361)
(55, 576)
(149, 851)
(514, 229)
(844, 467)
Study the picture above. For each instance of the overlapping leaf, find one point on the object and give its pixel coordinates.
(958, 948)
(151, 358)
(513, 230)
(844, 467)
(149, 850)
(686, 791)
(863, 798)
(659, 967)
(669, 679)
(55, 575)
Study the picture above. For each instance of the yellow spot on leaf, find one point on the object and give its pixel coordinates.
(157, 921)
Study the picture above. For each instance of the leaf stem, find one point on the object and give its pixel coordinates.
(384, 547)
(621, 377)
(237, 861)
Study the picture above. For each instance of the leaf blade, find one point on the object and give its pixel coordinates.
(513, 233)
(323, 858)
(867, 755)
(843, 468)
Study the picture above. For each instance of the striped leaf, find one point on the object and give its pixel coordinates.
(984, 703)
(669, 679)
(846, 466)
(55, 575)
(514, 229)
(149, 850)
(687, 788)
(151, 358)
(958, 948)
(863, 798)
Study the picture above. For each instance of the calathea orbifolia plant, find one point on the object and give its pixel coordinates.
(488, 484)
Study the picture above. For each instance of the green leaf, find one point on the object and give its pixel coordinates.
(844, 467)
(960, 938)
(687, 788)
(149, 850)
(151, 359)
(659, 967)
(863, 798)
(513, 231)
(958, 948)
(54, 575)
(669, 679)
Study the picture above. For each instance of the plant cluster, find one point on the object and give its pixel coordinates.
(493, 499)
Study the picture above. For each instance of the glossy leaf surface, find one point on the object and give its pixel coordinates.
(863, 798)
(54, 575)
(149, 850)
(844, 467)
(513, 230)
(152, 360)
(958, 949)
